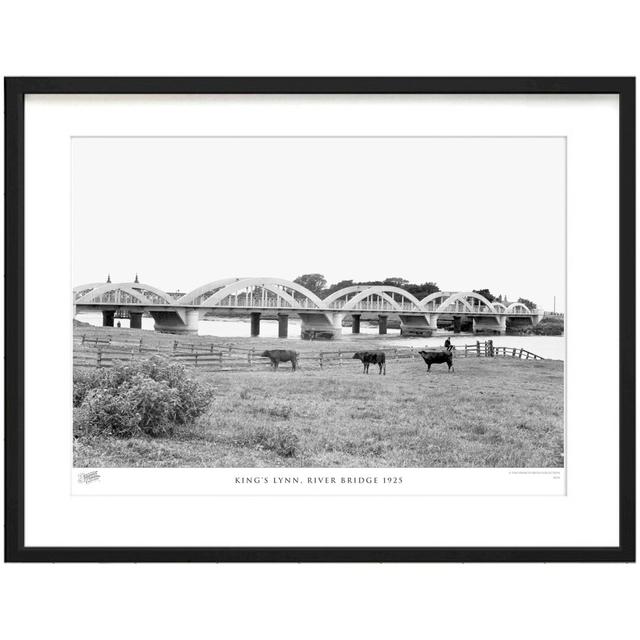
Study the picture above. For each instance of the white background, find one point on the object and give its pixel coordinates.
(361, 38)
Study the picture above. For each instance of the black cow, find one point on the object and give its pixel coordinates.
(372, 357)
(439, 356)
(281, 355)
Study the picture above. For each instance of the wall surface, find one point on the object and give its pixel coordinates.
(334, 37)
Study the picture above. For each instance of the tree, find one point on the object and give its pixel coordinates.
(315, 282)
(395, 282)
(527, 303)
(486, 293)
(343, 284)
(422, 290)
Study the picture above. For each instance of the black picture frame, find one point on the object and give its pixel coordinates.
(15, 91)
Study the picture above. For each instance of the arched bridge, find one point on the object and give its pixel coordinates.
(180, 313)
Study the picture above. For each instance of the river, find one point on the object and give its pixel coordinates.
(551, 347)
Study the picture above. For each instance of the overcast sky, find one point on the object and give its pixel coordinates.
(466, 213)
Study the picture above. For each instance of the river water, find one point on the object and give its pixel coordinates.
(551, 347)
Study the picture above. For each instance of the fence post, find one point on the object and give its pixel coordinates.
(99, 359)
(320, 358)
(520, 355)
(196, 360)
(220, 358)
(465, 351)
(340, 358)
(83, 337)
(478, 347)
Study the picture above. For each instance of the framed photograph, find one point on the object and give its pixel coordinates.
(320, 319)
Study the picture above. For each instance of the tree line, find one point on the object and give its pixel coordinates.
(317, 284)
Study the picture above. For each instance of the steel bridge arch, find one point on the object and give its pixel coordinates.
(364, 291)
(271, 284)
(433, 296)
(134, 289)
(188, 298)
(463, 297)
(515, 305)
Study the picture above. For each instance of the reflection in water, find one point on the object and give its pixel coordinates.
(552, 347)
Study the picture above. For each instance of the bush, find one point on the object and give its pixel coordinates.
(83, 381)
(143, 397)
(549, 326)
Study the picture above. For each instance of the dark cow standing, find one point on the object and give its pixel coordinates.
(438, 357)
(281, 355)
(372, 357)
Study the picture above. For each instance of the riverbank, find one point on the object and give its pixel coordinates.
(489, 413)
(236, 333)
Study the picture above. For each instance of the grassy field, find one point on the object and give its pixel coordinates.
(489, 413)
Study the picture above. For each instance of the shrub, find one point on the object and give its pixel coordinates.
(83, 381)
(549, 326)
(81, 422)
(143, 397)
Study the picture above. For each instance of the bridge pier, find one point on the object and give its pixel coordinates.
(255, 324)
(520, 322)
(355, 323)
(457, 324)
(107, 318)
(320, 326)
(283, 325)
(181, 321)
(135, 319)
(382, 324)
(490, 323)
(415, 325)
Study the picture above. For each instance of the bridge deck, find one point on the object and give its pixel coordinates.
(245, 309)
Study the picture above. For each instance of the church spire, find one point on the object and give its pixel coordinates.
(108, 278)
(136, 280)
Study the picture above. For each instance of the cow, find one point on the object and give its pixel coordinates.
(438, 356)
(372, 357)
(281, 355)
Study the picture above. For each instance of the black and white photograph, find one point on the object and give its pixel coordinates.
(319, 302)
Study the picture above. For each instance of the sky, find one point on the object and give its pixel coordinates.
(465, 213)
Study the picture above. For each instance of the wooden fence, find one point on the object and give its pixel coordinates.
(94, 352)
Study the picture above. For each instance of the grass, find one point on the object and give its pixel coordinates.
(489, 413)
